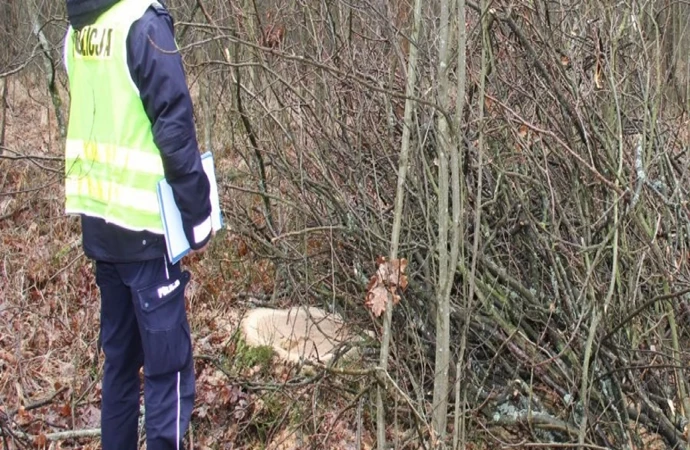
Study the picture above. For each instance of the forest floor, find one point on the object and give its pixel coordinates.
(50, 367)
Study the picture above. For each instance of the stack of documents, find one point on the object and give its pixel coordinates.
(175, 239)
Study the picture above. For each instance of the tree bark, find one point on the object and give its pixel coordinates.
(48, 66)
(3, 111)
(458, 207)
(446, 267)
(410, 107)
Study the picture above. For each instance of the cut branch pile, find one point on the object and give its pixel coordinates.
(577, 323)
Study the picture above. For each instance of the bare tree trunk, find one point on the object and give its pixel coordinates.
(48, 65)
(480, 168)
(410, 106)
(446, 266)
(205, 97)
(673, 33)
(680, 45)
(458, 184)
(3, 111)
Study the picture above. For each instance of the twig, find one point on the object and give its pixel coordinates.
(20, 156)
(32, 159)
(21, 66)
(248, 127)
(556, 445)
(362, 79)
(39, 403)
(409, 112)
(508, 19)
(307, 230)
(382, 377)
(560, 142)
(641, 308)
(355, 402)
(53, 181)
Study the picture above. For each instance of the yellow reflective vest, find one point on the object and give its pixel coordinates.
(112, 165)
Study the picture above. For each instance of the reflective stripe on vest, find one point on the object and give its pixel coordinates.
(112, 165)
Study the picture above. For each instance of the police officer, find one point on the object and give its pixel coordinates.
(130, 125)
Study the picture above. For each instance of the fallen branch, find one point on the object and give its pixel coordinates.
(60, 435)
(39, 403)
(535, 419)
(652, 422)
(557, 445)
(73, 434)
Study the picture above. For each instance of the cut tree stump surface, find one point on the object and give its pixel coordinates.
(296, 333)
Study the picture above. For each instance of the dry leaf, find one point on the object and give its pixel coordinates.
(394, 297)
(24, 417)
(41, 441)
(242, 249)
(522, 131)
(377, 299)
(397, 273)
(390, 275)
(66, 410)
(7, 356)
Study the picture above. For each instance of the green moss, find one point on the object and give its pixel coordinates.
(270, 415)
(248, 357)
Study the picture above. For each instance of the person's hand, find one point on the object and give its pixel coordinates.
(203, 249)
(200, 250)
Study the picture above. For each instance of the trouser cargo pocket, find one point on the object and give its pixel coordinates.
(164, 328)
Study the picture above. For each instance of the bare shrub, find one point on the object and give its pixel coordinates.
(569, 301)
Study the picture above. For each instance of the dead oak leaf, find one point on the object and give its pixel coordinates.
(377, 298)
(390, 275)
(392, 272)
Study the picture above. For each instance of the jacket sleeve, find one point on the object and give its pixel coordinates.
(156, 69)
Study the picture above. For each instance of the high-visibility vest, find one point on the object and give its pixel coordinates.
(112, 165)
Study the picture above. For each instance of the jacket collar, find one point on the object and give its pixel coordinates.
(85, 12)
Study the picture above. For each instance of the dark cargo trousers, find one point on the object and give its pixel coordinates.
(144, 322)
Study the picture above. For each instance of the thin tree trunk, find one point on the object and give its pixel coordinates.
(205, 96)
(48, 65)
(458, 185)
(680, 45)
(446, 269)
(3, 111)
(207, 111)
(480, 166)
(410, 106)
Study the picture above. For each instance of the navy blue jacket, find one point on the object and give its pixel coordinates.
(156, 69)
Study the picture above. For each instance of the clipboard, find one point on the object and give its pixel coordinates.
(175, 239)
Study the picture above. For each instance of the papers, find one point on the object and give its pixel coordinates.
(175, 239)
